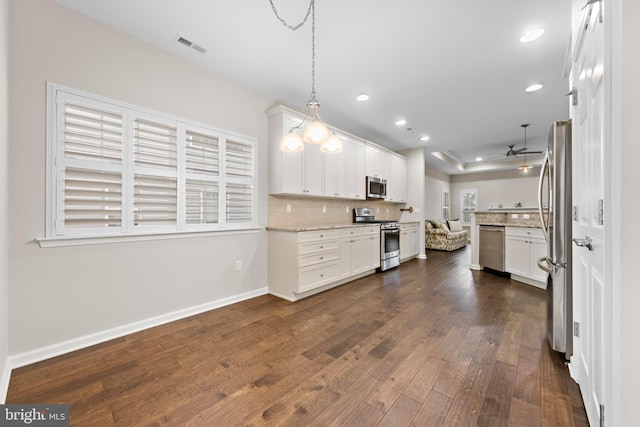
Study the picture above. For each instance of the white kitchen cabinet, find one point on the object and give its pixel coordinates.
(397, 180)
(344, 173)
(409, 240)
(298, 173)
(306, 262)
(371, 249)
(359, 249)
(523, 248)
(311, 172)
(355, 175)
(377, 161)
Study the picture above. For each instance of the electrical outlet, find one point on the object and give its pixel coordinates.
(514, 216)
(288, 208)
(324, 209)
(238, 265)
(346, 209)
(525, 216)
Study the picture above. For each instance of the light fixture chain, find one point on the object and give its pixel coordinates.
(313, 49)
(292, 27)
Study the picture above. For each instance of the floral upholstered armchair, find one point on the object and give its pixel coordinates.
(444, 235)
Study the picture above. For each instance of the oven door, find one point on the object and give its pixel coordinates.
(390, 244)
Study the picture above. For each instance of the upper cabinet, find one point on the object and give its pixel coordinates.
(397, 181)
(342, 175)
(293, 173)
(377, 161)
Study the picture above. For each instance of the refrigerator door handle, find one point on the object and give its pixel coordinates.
(543, 264)
(544, 224)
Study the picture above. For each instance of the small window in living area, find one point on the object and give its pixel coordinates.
(119, 170)
(468, 204)
(445, 204)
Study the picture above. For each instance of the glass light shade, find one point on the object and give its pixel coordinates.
(525, 168)
(315, 133)
(332, 145)
(291, 142)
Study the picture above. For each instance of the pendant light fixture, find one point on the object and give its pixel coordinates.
(315, 132)
(525, 167)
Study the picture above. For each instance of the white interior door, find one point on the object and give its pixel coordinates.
(590, 363)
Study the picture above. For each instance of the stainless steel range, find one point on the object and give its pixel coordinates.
(389, 237)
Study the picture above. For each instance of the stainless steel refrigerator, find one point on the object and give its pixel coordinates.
(554, 204)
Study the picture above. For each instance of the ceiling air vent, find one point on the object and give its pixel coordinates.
(191, 44)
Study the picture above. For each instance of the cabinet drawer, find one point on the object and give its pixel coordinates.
(315, 247)
(350, 232)
(408, 227)
(317, 275)
(369, 230)
(311, 236)
(524, 232)
(317, 258)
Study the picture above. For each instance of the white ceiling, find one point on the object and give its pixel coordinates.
(455, 70)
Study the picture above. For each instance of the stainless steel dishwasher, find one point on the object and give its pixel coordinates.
(491, 247)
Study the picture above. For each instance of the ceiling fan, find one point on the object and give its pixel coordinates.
(515, 152)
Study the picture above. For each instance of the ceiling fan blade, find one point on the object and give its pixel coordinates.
(532, 152)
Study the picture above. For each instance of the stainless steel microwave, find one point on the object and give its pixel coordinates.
(376, 188)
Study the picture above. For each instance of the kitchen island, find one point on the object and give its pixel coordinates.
(524, 243)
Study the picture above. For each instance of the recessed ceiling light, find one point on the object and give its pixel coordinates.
(362, 97)
(530, 36)
(401, 122)
(533, 87)
(478, 159)
(424, 138)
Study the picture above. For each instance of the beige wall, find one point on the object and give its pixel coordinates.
(628, 298)
(4, 197)
(60, 294)
(434, 183)
(495, 188)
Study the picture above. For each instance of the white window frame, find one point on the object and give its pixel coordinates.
(56, 234)
(463, 209)
(445, 205)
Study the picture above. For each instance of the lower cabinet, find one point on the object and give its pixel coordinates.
(523, 248)
(409, 241)
(307, 261)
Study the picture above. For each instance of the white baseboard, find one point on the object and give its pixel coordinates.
(37, 355)
(4, 382)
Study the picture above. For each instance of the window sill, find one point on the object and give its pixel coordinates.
(54, 242)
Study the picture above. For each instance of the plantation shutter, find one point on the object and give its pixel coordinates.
(155, 184)
(202, 190)
(91, 165)
(240, 191)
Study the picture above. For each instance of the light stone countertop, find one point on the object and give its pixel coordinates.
(502, 224)
(298, 228)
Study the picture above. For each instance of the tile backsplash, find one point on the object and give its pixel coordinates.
(319, 211)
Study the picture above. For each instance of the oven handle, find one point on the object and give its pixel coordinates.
(391, 231)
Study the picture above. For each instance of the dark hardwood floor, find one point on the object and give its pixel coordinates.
(431, 343)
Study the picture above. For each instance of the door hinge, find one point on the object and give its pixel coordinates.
(601, 415)
(574, 96)
(600, 212)
(576, 329)
(575, 213)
